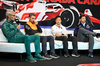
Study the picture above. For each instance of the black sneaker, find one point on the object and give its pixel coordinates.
(75, 55)
(47, 57)
(98, 35)
(66, 55)
(53, 55)
(90, 54)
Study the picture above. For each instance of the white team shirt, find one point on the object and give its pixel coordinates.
(55, 29)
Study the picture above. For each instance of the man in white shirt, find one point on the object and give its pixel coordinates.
(60, 33)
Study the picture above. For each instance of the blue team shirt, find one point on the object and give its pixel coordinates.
(86, 26)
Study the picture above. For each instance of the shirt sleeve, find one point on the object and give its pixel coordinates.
(64, 30)
(29, 31)
(53, 30)
(8, 30)
(91, 29)
(76, 30)
(39, 29)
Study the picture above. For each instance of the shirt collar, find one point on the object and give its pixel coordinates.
(10, 21)
(82, 24)
(60, 25)
(31, 23)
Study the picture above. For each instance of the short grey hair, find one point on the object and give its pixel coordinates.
(9, 12)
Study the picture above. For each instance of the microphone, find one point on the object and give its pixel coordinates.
(17, 21)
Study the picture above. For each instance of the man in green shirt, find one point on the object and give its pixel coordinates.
(12, 32)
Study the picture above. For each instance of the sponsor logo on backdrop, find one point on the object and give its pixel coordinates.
(47, 11)
(89, 2)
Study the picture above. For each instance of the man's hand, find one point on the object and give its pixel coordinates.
(86, 35)
(58, 35)
(18, 27)
(35, 22)
(66, 35)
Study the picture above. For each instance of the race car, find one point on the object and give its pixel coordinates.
(47, 11)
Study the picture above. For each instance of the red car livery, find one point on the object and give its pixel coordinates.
(47, 11)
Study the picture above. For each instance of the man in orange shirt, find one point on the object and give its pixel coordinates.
(32, 28)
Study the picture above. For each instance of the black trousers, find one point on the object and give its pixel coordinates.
(44, 40)
(65, 43)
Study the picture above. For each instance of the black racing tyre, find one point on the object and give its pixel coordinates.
(14, 7)
(67, 17)
(76, 19)
(7, 6)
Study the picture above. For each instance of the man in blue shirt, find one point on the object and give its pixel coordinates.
(84, 33)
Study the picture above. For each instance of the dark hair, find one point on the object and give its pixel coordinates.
(57, 17)
(31, 14)
(81, 16)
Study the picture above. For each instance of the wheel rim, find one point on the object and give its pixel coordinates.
(67, 18)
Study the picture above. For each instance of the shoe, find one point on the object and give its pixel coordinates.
(53, 55)
(75, 55)
(30, 59)
(47, 57)
(90, 54)
(98, 35)
(66, 55)
(39, 57)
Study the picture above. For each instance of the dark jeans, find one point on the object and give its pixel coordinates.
(65, 43)
(81, 37)
(44, 40)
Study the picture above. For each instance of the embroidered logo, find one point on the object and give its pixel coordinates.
(87, 26)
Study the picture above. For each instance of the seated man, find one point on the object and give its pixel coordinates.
(12, 32)
(84, 33)
(32, 28)
(60, 33)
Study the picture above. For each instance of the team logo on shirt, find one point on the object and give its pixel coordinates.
(27, 27)
(87, 26)
(11, 26)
